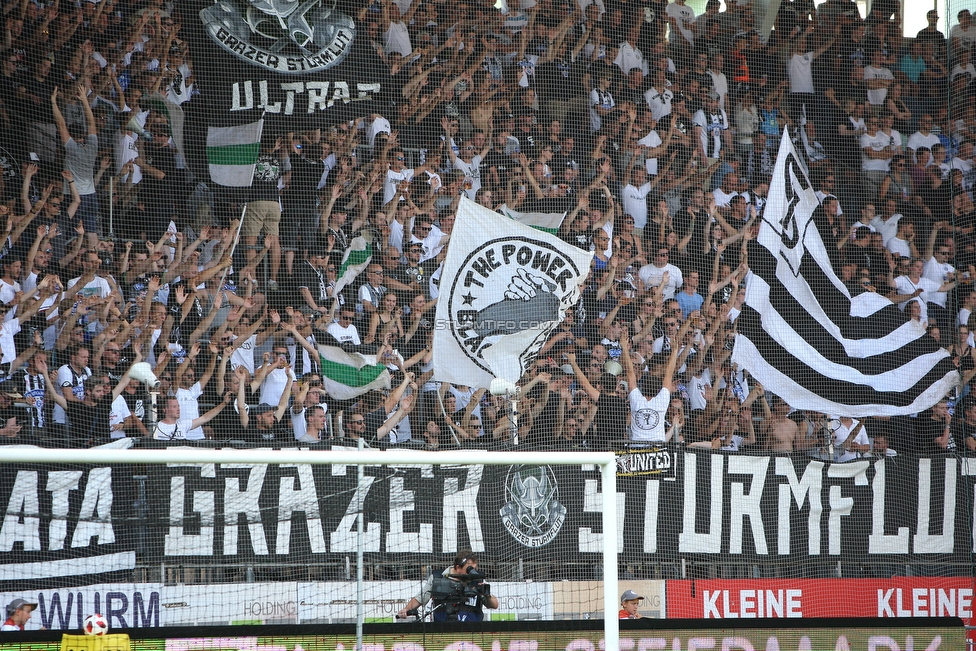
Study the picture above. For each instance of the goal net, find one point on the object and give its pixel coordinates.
(228, 537)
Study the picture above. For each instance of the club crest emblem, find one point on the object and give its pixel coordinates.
(532, 515)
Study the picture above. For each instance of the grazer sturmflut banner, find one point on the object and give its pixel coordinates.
(71, 525)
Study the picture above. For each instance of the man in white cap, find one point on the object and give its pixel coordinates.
(629, 602)
(18, 612)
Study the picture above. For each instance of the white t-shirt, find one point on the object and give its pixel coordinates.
(175, 432)
(345, 334)
(472, 175)
(937, 272)
(120, 411)
(904, 285)
(877, 96)
(899, 247)
(684, 16)
(97, 287)
(888, 228)
(603, 99)
(635, 203)
(917, 140)
(190, 409)
(652, 276)
(629, 57)
(877, 142)
(647, 416)
(7, 346)
(800, 72)
(244, 355)
(392, 180)
(697, 387)
(651, 140)
(840, 437)
(659, 101)
(273, 386)
(397, 39)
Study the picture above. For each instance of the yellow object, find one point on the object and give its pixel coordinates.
(111, 642)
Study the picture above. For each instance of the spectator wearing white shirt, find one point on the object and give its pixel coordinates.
(712, 130)
(877, 150)
(629, 55)
(343, 330)
(903, 243)
(938, 269)
(923, 137)
(913, 287)
(189, 390)
(878, 78)
(653, 274)
(681, 17)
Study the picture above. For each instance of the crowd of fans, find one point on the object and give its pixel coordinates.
(653, 129)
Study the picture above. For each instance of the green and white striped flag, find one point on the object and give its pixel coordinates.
(354, 261)
(232, 153)
(547, 222)
(349, 375)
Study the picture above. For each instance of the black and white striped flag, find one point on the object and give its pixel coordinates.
(804, 337)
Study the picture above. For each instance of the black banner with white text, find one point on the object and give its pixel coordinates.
(76, 521)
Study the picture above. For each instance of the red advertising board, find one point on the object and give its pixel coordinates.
(799, 598)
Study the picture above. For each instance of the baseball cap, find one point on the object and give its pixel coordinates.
(629, 595)
(713, 95)
(257, 410)
(17, 604)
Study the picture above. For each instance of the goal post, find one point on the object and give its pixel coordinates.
(604, 461)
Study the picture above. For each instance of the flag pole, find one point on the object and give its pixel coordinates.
(233, 247)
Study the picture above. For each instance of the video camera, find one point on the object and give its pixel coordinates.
(460, 592)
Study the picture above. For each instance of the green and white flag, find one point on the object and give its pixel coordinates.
(547, 222)
(232, 153)
(354, 261)
(349, 375)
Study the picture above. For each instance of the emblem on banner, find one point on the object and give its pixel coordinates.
(533, 515)
(506, 287)
(283, 36)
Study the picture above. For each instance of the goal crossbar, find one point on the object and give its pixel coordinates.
(184, 455)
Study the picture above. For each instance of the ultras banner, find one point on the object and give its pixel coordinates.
(756, 509)
(298, 65)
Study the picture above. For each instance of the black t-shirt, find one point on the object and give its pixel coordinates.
(926, 431)
(267, 173)
(159, 194)
(305, 176)
(375, 420)
(90, 423)
(279, 433)
(414, 277)
(502, 163)
(610, 421)
(41, 112)
(317, 283)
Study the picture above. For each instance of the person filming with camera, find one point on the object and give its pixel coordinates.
(459, 593)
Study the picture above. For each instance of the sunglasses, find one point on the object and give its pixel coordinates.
(357, 421)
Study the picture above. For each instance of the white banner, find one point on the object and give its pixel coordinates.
(150, 605)
(504, 287)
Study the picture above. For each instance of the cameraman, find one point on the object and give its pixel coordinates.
(465, 563)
